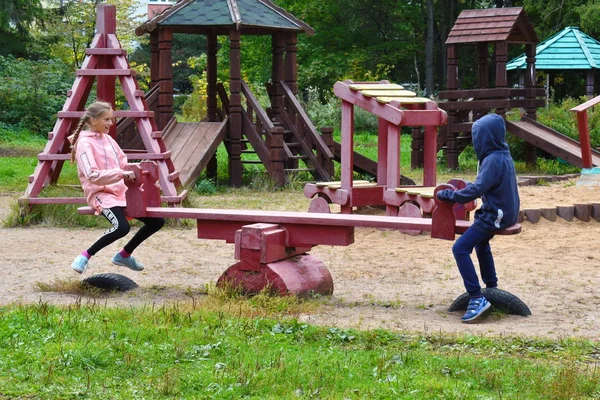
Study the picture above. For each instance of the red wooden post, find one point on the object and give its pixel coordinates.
(416, 147)
(430, 151)
(277, 154)
(211, 76)
(165, 96)
(452, 84)
(584, 132)
(382, 144)
(347, 167)
(393, 164)
(584, 139)
(482, 66)
(291, 62)
(277, 71)
(501, 78)
(106, 23)
(235, 110)
(154, 59)
(443, 221)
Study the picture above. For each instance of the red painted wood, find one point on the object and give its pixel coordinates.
(303, 276)
(116, 113)
(105, 72)
(393, 162)
(410, 210)
(105, 52)
(584, 132)
(319, 205)
(382, 143)
(387, 112)
(443, 219)
(347, 170)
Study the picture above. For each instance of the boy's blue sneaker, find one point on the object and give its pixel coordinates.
(476, 308)
(128, 262)
(80, 264)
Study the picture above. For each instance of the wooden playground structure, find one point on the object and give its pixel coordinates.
(394, 108)
(499, 27)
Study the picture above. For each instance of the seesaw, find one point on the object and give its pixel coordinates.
(272, 247)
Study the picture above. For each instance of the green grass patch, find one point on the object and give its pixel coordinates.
(189, 351)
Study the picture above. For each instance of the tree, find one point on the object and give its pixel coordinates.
(70, 27)
(16, 20)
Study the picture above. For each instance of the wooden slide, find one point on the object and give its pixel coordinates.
(550, 141)
(192, 144)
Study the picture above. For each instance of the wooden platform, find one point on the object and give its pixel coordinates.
(192, 144)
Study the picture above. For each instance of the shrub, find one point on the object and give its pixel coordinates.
(31, 92)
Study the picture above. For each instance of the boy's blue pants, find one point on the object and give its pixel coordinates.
(462, 249)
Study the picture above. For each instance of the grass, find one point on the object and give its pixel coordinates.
(190, 351)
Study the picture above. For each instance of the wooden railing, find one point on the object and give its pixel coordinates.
(305, 133)
(476, 99)
(584, 131)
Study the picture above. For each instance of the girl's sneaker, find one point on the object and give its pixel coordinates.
(128, 262)
(80, 264)
(476, 308)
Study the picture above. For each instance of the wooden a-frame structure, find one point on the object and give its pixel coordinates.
(106, 60)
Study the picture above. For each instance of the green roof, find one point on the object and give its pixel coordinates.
(227, 13)
(568, 49)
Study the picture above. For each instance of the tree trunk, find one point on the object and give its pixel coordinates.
(429, 72)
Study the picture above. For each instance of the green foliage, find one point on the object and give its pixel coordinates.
(16, 20)
(69, 28)
(194, 107)
(201, 351)
(205, 187)
(18, 138)
(185, 47)
(32, 92)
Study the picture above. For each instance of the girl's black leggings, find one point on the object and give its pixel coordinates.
(120, 228)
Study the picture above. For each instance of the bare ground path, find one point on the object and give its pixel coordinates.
(385, 280)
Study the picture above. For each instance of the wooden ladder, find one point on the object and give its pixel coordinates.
(105, 60)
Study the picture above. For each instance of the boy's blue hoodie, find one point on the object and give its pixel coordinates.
(496, 181)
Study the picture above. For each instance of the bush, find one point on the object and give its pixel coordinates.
(32, 92)
(558, 117)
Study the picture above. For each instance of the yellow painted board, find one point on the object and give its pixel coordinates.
(382, 86)
(405, 100)
(324, 184)
(356, 185)
(417, 190)
(388, 93)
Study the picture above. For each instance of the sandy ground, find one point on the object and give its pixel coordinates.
(385, 280)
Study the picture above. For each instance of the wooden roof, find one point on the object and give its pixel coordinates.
(509, 24)
(567, 49)
(207, 15)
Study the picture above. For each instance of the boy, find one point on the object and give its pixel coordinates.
(496, 184)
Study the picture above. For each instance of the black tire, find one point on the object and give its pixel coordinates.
(110, 282)
(406, 181)
(499, 298)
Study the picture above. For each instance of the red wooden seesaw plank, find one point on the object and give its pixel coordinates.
(245, 217)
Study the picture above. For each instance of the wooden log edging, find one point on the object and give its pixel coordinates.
(581, 211)
(585, 212)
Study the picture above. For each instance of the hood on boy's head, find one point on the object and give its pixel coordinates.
(489, 135)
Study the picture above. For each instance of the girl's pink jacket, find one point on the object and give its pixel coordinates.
(100, 163)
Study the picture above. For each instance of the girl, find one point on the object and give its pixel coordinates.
(100, 163)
